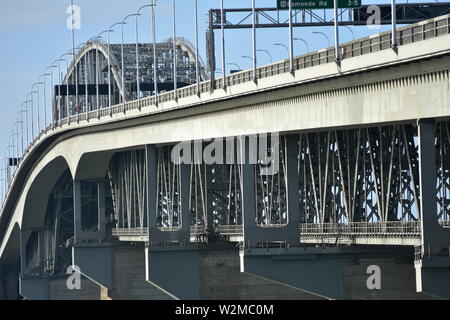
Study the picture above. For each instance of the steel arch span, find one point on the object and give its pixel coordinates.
(82, 74)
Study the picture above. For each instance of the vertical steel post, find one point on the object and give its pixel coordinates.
(336, 32)
(155, 60)
(393, 24)
(197, 70)
(97, 77)
(291, 40)
(175, 56)
(123, 71)
(222, 26)
(67, 87)
(254, 39)
(109, 73)
(138, 86)
(86, 94)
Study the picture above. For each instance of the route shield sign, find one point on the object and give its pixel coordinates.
(317, 4)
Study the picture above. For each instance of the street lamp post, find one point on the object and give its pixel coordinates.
(3, 186)
(232, 64)
(174, 49)
(254, 40)
(123, 62)
(328, 39)
(80, 46)
(54, 100)
(248, 57)
(37, 99)
(21, 112)
(267, 52)
(393, 24)
(155, 57)
(197, 67)
(58, 115)
(303, 40)
(86, 76)
(31, 115)
(45, 98)
(222, 29)
(111, 29)
(138, 82)
(7, 163)
(51, 67)
(353, 35)
(16, 134)
(98, 72)
(67, 87)
(291, 41)
(21, 130)
(282, 45)
(336, 32)
(12, 156)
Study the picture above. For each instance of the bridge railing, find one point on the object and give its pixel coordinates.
(354, 229)
(407, 228)
(405, 35)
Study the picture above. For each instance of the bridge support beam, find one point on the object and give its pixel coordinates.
(168, 250)
(83, 212)
(9, 286)
(254, 234)
(433, 264)
(33, 283)
(337, 272)
(89, 253)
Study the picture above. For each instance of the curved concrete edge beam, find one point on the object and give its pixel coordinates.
(37, 195)
(11, 252)
(93, 165)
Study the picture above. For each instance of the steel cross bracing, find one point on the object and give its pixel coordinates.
(361, 178)
(359, 183)
(242, 18)
(85, 72)
(52, 240)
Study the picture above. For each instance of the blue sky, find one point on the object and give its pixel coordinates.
(33, 34)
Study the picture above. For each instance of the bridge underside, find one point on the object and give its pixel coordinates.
(331, 188)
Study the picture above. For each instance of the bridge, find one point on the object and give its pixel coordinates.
(352, 169)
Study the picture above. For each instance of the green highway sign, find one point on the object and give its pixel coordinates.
(317, 4)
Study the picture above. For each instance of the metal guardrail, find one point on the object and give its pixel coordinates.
(316, 230)
(395, 228)
(232, 230)
(134, 232)
(413, 33)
